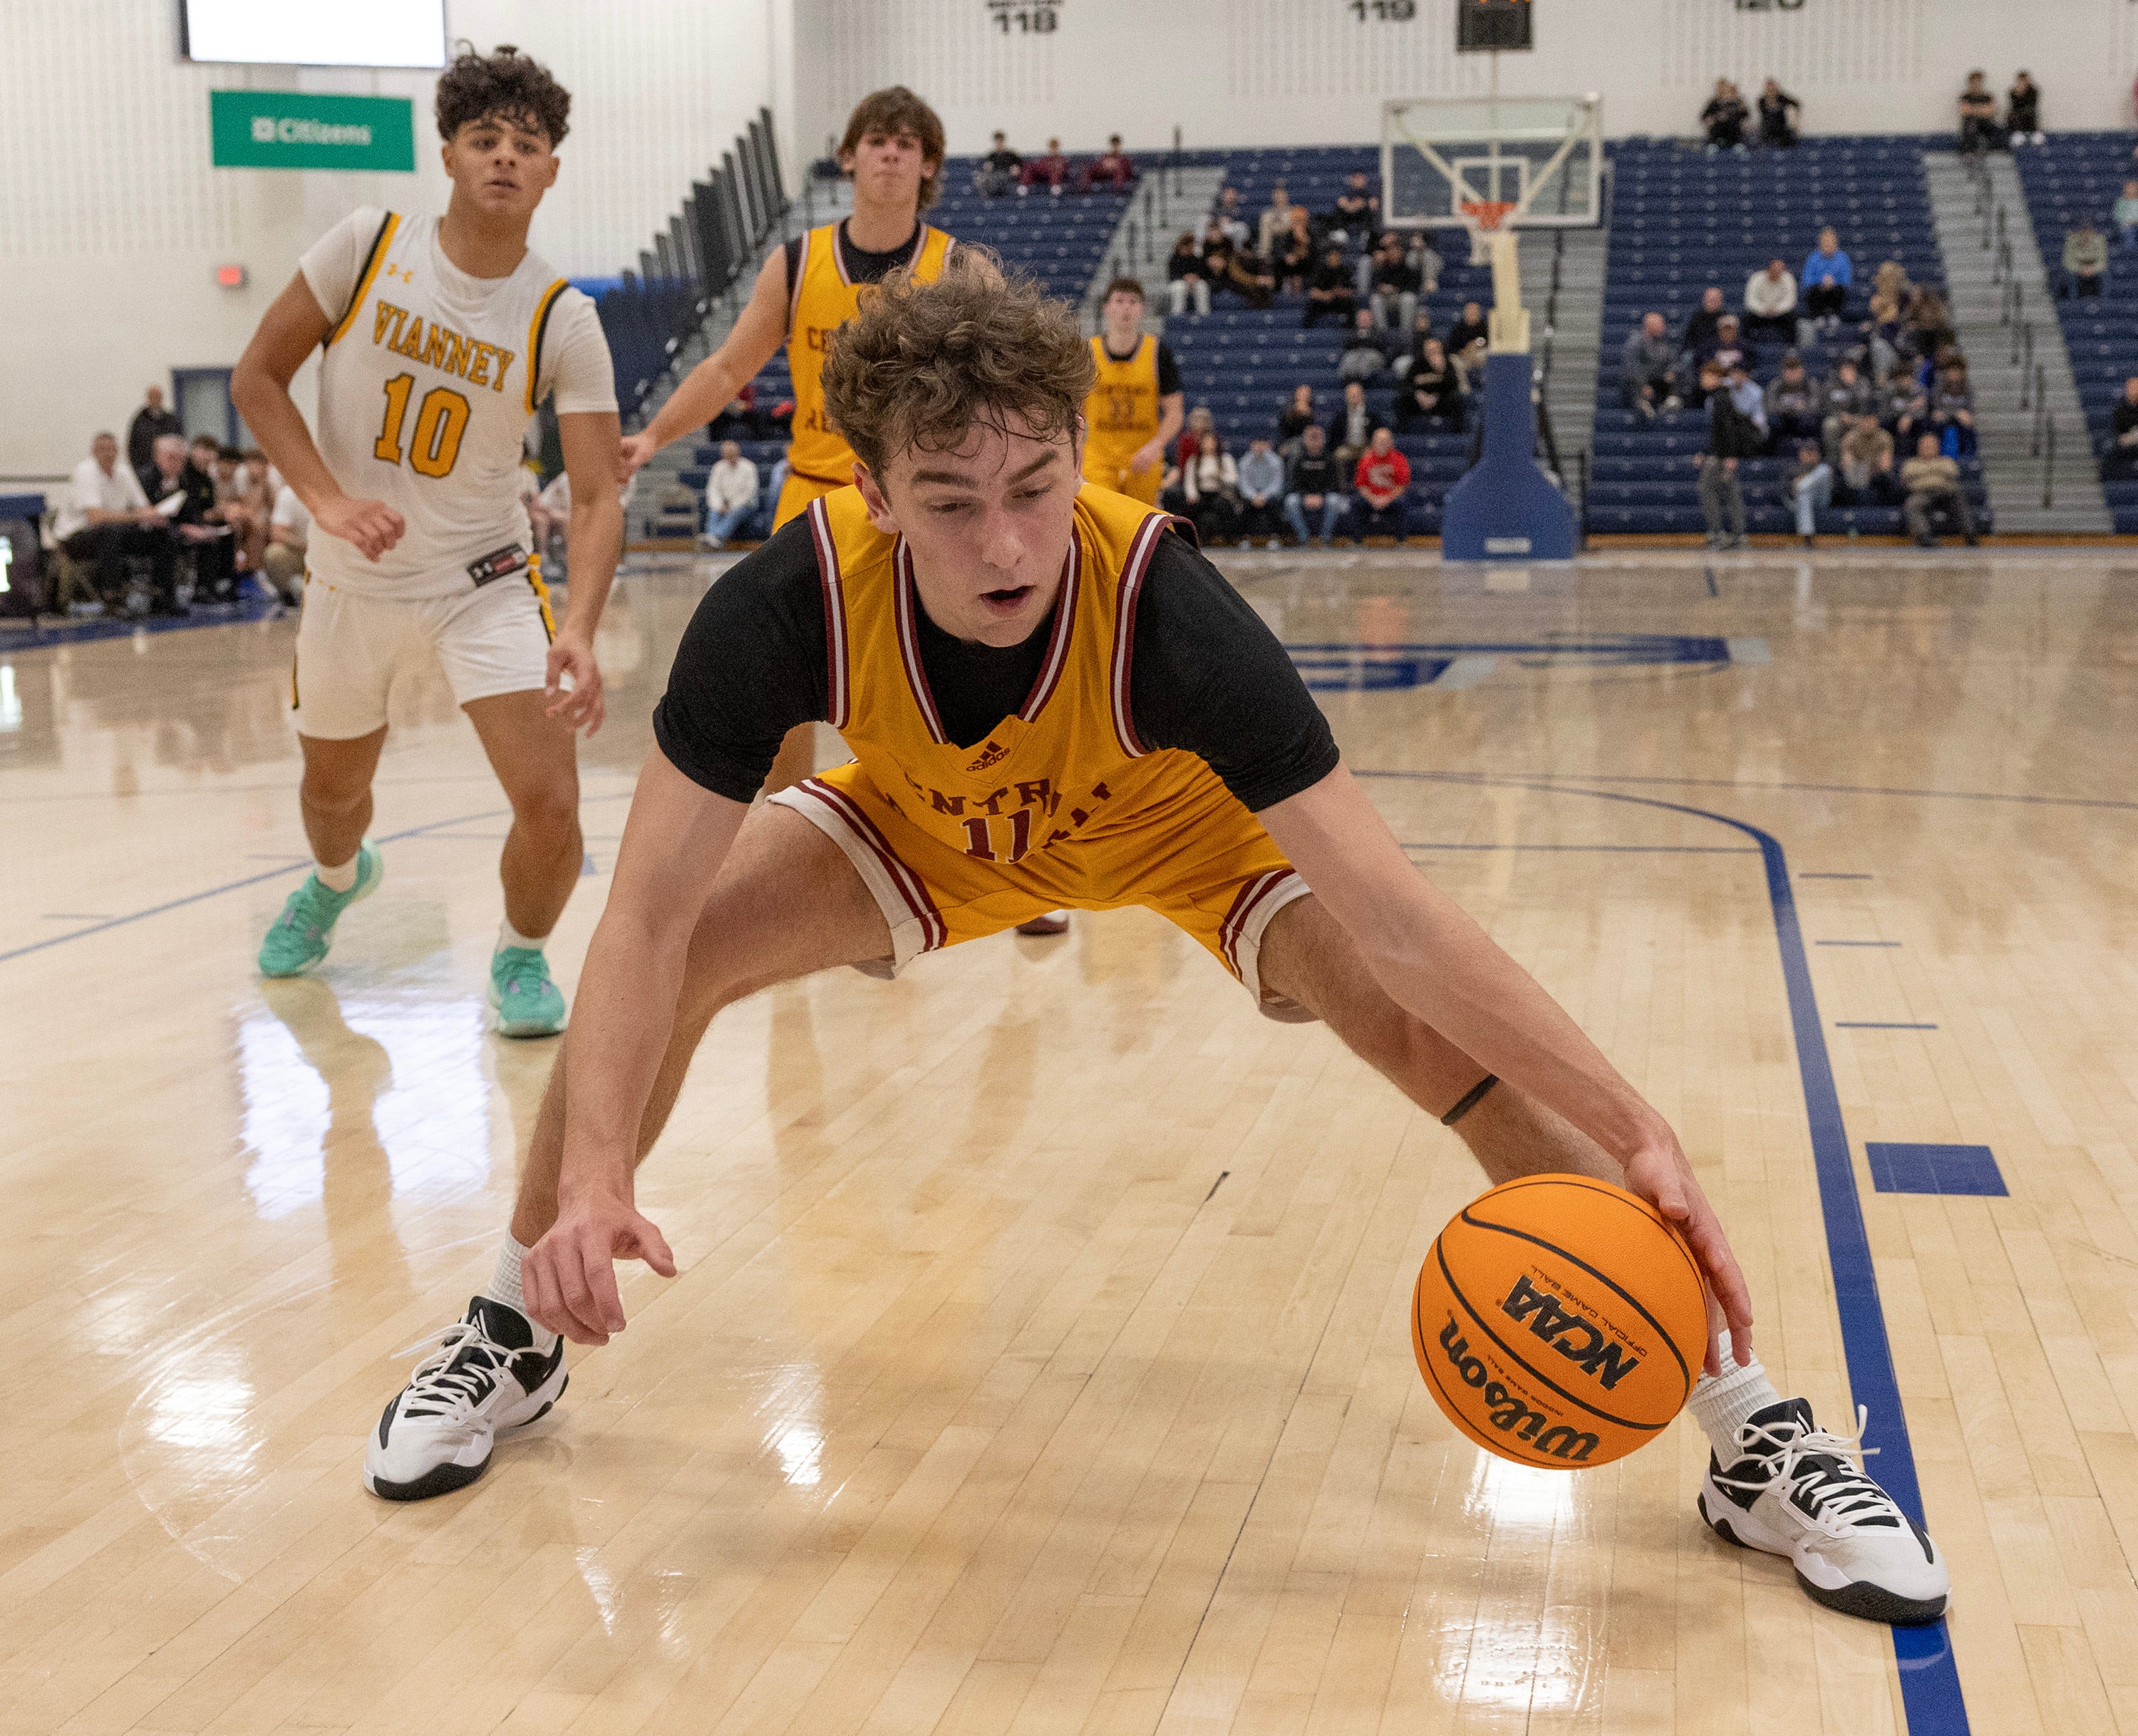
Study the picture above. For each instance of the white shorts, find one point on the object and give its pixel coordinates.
(350, 648)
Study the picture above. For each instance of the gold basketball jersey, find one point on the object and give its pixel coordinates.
(820, 301)
(1066, 776)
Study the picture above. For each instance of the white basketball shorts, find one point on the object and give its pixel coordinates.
(351, 648)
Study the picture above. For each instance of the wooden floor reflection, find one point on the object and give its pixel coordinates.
(1040, 1359)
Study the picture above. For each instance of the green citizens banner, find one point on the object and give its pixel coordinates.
(301, 130)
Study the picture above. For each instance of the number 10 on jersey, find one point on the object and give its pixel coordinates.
(441, 420)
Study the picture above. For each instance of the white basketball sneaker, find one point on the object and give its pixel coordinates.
(482, 1375)
(1794, 1491)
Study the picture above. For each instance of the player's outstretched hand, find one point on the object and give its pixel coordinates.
(373, 525)
(1662, 1177)
(568, 1277)
(631, 454)
(581, 704)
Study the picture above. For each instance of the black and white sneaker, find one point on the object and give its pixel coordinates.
(481, 1375)
(1794, 1491)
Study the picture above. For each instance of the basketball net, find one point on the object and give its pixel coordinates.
(1492, 241)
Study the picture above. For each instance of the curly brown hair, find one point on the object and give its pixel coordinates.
(922, 363)
(895, 110)
(504, 85)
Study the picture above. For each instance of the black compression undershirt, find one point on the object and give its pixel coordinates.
(1207, 677)
(861, 266)
(1169, 369)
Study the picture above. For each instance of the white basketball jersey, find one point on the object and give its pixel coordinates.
(427, 385)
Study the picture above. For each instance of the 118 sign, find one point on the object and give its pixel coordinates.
(1026, 20)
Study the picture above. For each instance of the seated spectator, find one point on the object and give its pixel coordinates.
(1979, 131)
(1356, 213)
(1217, 248)
(1700, 328)
(288, 533)
(1315, 485)
(1294, 420)
(1206, 490)
(1811, 491)
(1928, 327)
(2120, 458)
(730, 496)
(1275, 222)
(1907, 408)
(1112, 168)
(1725, 349)
(1749, 401)
(1247, 273)
(1770, 301)
(1382, 483)
(1234, 222)
(2022, 110)
(1795, 402)
(1365, 354)
(151, 422)
(1469, 339)
(1392, 282)
(1647, 373)
(1885, 335)
(1189, 442)
(1867, 467)
(1000, 171)
(1778, 117)
(1932, 482)
(107, 518)
(241, 503)
(1329, 292)
(2125, 215)
(1732, 437)
(184, 490)
(1051, 171)
(739, 420)
(2086, 260)
(1431, 389)
(1186, 279)
(1891, 280)
(1825, 279)
(1847, 402)
(1952, 411)
(1724, 118)
(1293, 258)
(1351, 429)
(1261, 490)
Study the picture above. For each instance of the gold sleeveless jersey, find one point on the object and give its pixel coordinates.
(1120, 416)
(820, 301)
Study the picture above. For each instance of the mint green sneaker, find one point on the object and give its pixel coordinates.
(527, 1001)
(302, 932)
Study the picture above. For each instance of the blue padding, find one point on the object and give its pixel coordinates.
(1934, 1169)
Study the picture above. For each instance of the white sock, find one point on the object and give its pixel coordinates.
(509, 936)
(1720, 1403)
(504, 1287)
(337, 880)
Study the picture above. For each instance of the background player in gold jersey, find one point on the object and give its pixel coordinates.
(1133, 413)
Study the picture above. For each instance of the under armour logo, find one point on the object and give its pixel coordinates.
(406, 273)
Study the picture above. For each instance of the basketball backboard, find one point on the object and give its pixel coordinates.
(1542, 155)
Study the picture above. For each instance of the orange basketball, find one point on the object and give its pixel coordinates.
(1560, 1322)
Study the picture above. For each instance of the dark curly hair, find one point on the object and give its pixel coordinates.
(504, 85)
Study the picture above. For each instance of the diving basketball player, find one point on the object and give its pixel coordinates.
(440, 335)
(1133, 413)
(1053, 698)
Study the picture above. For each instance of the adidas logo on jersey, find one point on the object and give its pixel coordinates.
(988, 756)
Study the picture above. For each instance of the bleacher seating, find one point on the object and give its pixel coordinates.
(2074, 175)
(1682, 219)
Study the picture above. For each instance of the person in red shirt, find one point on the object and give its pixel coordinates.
(1382, 481)
(1114, 169)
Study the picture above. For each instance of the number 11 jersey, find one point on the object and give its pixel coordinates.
(427, 381)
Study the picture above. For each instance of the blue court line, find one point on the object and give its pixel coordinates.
(70, 631)
(254, 880)
(1855, 942)
(1548, 780)
(1876, 1025)
(1929, 1680)
(1609, 849)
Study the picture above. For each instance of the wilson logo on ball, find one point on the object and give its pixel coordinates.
(1507, 1411)
(1579, 1340)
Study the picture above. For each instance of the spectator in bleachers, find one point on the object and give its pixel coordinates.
(1200, 421)
(1294, 420)
(1892, 280)
(2086, 260)
(1217, 248)
(1051, 171)
(1356, 213)
(1725, 349)
(1907, 409)
(1826, 274)
(1867, 467)
(1932, 482)
(1314, 484)
(1724, 117)
(1698, 340)
(1431, 389)
(1810, 491)
(1261, 490)
(2126, 214)
(1979, 131)
(1886, 337)
(1186, 279)
(1732, 437)
(1247, 273)
(730, 496)
(1112, 168)
(1952, 410)
(1293, 258)
(1329, 291)
(1778, 117)
(1468, 340)
(1745, 394)
(1365, 354)
(151, 422)
(739, 420)
(289, 534)
(1647, 369)
(1229, 214)
(2121, 457)
(1206, 490)
(1795, 405)
(242, 504)
(1383, 485)
(1276, 220)
(1351, 429)
(1770, 301)
(2022, 110)
(107, 519)
(1928, 327)
(1392, 282)
(1847, 401)
(1000, 171)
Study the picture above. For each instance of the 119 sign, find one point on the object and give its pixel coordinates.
(1384, 12)
(1039, 20)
